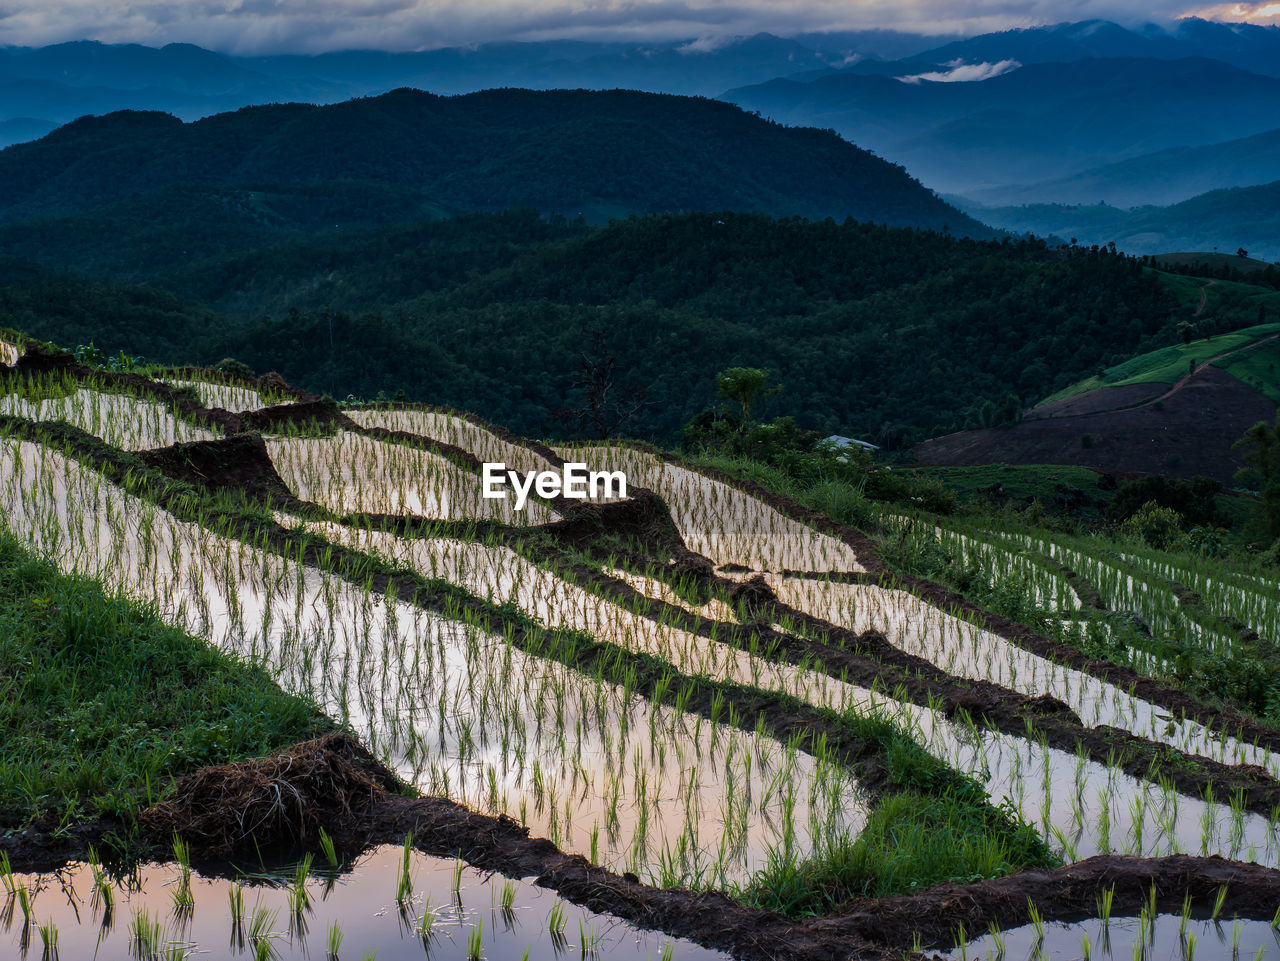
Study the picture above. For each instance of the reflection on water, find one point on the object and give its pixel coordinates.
(1167, 937)
(358, 908)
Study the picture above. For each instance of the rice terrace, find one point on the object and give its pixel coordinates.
(309, 690)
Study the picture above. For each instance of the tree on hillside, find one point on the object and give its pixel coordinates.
(1261, 444)
(745, 386)
(606, 407)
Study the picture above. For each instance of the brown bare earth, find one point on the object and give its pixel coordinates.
(1099, 401)
(1190, 432)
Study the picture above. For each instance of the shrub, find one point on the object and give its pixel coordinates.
(1159, 527)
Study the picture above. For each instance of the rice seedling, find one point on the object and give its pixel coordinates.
(49, 940)
(1219, 900)
(333, 941)
(299, 899)
(235, 897)
(24, 903)
(1105, 899)
(328, 850)
(6, 874)
(997, 938)
(1037, 920)
(556, 920)
(404, 884)
(589, 941)
(183, 899)
(260, 927)
(426, 923)
(458, 865)
(475, 941)
(146, 933)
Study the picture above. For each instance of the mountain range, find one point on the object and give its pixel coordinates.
(1074, 114)
(1031, 123)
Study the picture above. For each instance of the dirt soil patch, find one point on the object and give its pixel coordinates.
(1099, 401)
(1189, 433)
(237, 463)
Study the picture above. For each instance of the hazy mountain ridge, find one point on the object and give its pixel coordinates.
(1162, 178)
(62, 82)
(1249, 47)
(1228, 219)
(1039, 121)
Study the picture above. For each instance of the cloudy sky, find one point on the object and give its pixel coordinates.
(262, 26)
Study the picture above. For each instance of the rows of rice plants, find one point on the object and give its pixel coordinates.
(455, 710)
(1251, 600)
(235, 398)
(960, 647)
(469, 706)
(721, 522)
(122, 420)
(350, 473)
(450, 428)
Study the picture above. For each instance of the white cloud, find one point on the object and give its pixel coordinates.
(960, 72)
(262, 26)
(708, 44)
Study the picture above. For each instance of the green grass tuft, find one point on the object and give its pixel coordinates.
(102, 704)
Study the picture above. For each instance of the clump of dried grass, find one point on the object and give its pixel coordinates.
(282, 799)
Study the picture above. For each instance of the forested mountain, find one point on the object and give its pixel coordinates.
(1031, 123)
(887, 333)
(595, 154)
(1225, 220)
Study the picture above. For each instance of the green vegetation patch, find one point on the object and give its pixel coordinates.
(101, 703)
(1169, 364)
(1258, 367)
(921, 836)
(1017, 482)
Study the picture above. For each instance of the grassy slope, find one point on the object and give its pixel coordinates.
(101, 703)
(1257, 368)
(1169, 364)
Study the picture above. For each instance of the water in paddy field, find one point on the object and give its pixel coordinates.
(361, 902)
(1165, 938)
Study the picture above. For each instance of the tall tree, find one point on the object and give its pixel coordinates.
(1261, 444)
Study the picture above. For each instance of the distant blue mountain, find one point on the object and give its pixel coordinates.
(1031, 123)
(1164, 177)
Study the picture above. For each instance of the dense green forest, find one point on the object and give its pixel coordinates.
(886, 333)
